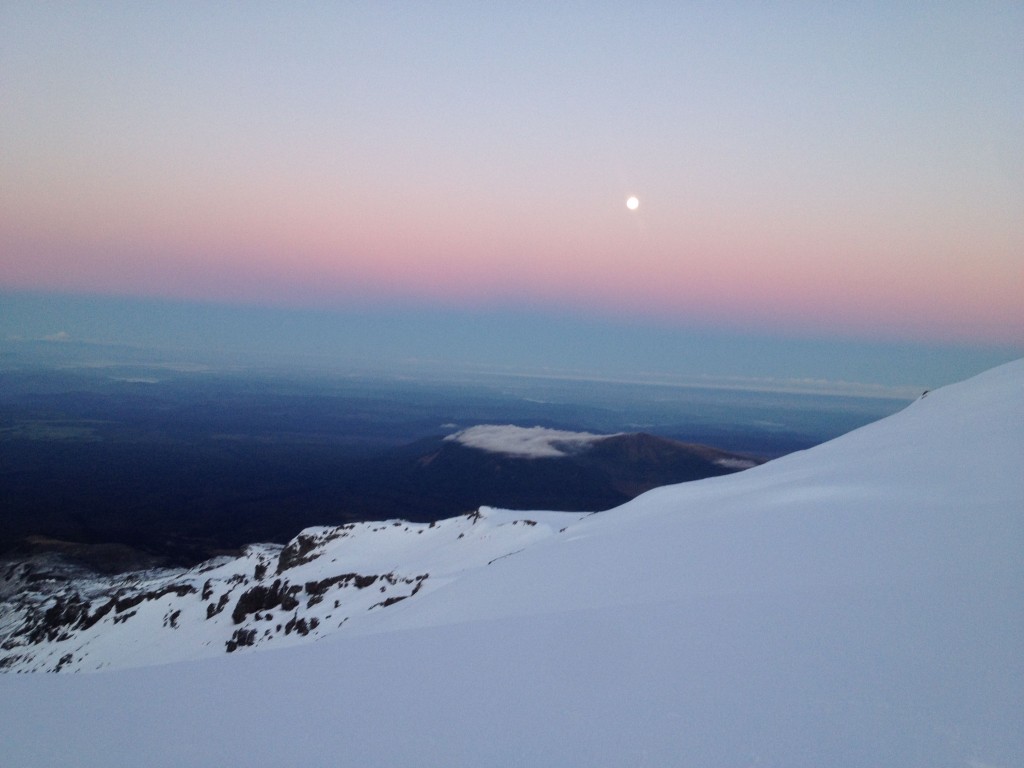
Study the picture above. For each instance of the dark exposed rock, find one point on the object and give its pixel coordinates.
(240, 639)
(299, 626)
(64, 613)
(320, 587)
(212, 610)
(389, 601)
(94, 618)
(398, 598)
(122, 605)
(261, 598)
(300, 549)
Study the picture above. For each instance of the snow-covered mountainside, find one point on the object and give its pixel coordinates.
(55, 618)
(857, 604)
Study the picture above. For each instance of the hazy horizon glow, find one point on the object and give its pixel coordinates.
(435, 342)
(809, 170)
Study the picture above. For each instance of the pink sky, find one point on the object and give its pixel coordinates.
(852, 175)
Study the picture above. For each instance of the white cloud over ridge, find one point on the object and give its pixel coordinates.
(525, 442)
(736, 463)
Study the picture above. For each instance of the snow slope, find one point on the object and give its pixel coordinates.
(857, 604)
(326, 580)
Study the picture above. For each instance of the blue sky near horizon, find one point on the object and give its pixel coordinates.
(826, 191)
(432, 340)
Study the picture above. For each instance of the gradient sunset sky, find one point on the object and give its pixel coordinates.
(805, 170)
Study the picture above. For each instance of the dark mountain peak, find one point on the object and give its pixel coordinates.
(645, 447)
(542, 468)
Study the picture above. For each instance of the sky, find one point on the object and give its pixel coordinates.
(851, 173)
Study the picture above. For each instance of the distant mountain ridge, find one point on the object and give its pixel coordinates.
(587, 474)
(428, 480)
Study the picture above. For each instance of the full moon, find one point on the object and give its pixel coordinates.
(632, 203)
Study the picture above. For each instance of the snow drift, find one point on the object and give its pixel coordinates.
(857, 604)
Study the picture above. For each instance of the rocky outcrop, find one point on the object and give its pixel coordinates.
(57, 616)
